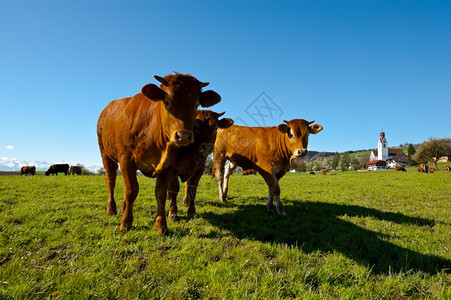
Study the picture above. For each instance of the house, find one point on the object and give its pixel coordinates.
(377, 165)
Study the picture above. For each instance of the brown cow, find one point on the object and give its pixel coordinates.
(399, 168)
(448, 169)
(25, 170)
(144, 132)
(191, 159)
(312, 172)
(423, 168)
(323, 172)
(268, 150)
(75, 170)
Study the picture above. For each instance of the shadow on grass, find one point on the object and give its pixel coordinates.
(313, 226)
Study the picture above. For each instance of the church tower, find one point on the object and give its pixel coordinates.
(382, 147)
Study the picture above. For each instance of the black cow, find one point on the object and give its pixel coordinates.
(58, 168)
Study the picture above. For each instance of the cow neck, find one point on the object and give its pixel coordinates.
(164, 117)
(283, 152)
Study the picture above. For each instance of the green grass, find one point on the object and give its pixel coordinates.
(354, 235)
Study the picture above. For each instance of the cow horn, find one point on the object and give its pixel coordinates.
(285, 121)
(161, 79)
(311, 122)
(220, 114)
(203, 84)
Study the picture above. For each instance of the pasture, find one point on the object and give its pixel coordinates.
(354, 235)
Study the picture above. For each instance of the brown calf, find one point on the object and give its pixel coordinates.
(25, 170)
(268, 150)
(191, 159)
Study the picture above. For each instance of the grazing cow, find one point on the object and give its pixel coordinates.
(400, 169)
(25, 170)
(249, 172)
(311, 172)
(448, 169)
(144, 132)
(57, 168)
(268, 150)
(191, 159)
(323, 172)
(75, 170)
(423, 168)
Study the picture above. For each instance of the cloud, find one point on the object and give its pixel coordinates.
(10, 147)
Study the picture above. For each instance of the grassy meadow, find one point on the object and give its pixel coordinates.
(369, 235)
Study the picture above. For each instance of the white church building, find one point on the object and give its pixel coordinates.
(384, 158)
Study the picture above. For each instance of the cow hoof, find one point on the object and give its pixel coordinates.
(282, 214)
(173, 217)
(161, 226)
(191, 215)
(110, 212)
(124, 229)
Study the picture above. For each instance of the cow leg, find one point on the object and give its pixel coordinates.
(131, 192)
(269, 203)
(173, 190)
(161, 189)
(110, 180)
(274, 191)
(190, 193)
(219, 174)
(229, 170)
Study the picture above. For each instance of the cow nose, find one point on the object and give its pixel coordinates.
(300, 152)
(207, 148)
(184, 137)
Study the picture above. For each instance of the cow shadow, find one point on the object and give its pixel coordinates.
(319, 226)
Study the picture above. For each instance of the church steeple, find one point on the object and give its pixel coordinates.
(382, 147)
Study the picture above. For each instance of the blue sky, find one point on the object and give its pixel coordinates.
(355, 67)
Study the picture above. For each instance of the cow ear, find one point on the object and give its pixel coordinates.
(225, 123)
(283, 128)
(209, 98)
(153, 92)
(315, 128)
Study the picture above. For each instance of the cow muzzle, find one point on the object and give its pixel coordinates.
(300, 152)
(183, 138)
(206, 148)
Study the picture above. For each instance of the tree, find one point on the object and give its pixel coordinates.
(335, 160)
(432, 150)
(410, 153)
(343, 165)
(347, 158)
(365, 160)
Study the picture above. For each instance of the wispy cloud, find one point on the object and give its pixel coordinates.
(10, 147)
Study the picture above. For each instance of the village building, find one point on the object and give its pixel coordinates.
(391, 157)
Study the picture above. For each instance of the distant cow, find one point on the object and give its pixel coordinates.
(145, 132)
(57, 168)
(400, 169)
(323, 172)
(312, 172)
(448, 169)
(249, 172)
(423, 168)
(25, 170)
(268, 150)
(75, 170)
(191, 159)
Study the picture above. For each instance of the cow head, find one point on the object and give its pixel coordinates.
(179, 95)
(297, 132)
(205, 129)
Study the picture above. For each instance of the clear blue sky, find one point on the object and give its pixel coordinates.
(355, 67)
